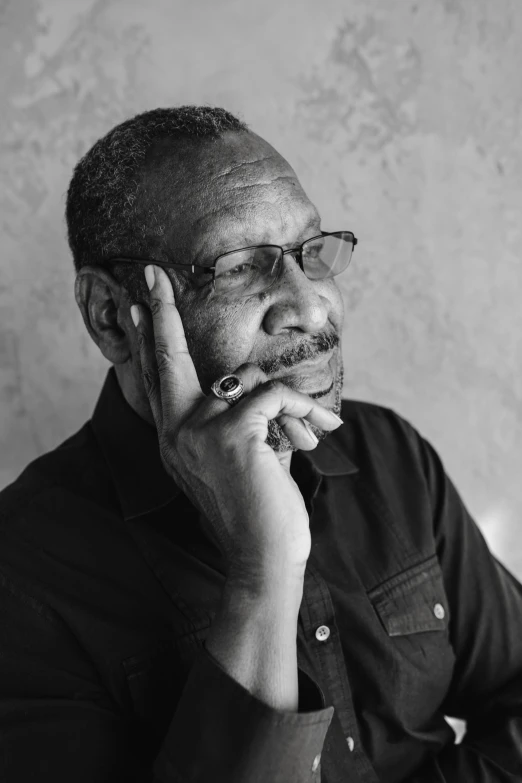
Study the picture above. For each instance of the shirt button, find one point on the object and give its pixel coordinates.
(438, 611)
(316, 762)
(351, 743)
(322, 633)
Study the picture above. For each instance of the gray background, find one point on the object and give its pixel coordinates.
(403, 122)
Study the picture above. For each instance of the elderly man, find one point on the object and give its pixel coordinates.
(217, 578)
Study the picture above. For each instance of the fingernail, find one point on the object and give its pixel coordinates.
(149, 275)
(135, 314)
(336, 417)
(310, 431)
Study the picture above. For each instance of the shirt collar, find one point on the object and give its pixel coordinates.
(131, 450)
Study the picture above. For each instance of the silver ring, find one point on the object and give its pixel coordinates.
(228, 388)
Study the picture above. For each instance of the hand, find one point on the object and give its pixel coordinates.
(217, 454)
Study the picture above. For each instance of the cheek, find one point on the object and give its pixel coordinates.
(335, 295)
(220, 339)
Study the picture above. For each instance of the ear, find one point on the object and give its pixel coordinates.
(105, 308)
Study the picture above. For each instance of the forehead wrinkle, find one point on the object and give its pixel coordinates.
(217, 216)
(246, 218)
(249, 212)
(240, 235)
(239, 166)
(215, 239)
(260, 184)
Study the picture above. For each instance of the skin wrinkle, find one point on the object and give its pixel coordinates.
(257, 184)
(240, 166)
(205, 192)
(243, 201)
(243, 241)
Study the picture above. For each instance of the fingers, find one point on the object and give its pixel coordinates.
(174, 385)
(292, 410)
(273, 399)
(149, 370)
(298, 432)
(251, 377)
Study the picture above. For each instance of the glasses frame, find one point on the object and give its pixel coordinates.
(296, 251)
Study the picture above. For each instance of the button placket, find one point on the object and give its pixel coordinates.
(330, 659)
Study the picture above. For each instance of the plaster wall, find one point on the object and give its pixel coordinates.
(403, 122)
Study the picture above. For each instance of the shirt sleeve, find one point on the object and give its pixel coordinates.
(58, 721)
(220, 732)
(486, 634)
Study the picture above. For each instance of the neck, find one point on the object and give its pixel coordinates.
(134, 393)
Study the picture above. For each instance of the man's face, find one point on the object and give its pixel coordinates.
(241, 192)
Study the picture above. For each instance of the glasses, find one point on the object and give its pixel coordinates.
(255, 269)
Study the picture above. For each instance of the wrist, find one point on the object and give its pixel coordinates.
(266, 583)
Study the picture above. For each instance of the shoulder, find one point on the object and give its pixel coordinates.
(60, 509)
(74, 471)
(377, 422)
(377, 437)
(69, 568)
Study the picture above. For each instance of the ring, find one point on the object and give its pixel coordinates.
(229, 388)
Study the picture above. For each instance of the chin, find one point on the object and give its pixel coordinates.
(277, 439)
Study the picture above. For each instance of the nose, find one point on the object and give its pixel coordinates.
(295, 301)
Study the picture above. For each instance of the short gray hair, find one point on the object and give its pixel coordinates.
(104, 213)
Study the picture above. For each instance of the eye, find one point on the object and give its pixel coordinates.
(202, 278)
(314, 249)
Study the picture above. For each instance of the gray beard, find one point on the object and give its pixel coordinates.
(277, 439)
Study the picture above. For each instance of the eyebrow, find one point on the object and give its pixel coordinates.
(313, 220)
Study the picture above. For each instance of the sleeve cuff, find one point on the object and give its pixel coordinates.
(221, 733)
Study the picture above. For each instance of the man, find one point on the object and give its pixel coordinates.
(214, 579)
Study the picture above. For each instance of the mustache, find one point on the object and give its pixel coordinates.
(295, 354)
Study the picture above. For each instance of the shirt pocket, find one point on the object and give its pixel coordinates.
(414, 612)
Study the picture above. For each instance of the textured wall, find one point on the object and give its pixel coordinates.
(403, 122)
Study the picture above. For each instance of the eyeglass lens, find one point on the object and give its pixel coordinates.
(254, 270)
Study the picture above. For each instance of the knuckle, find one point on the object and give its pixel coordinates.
(169, 464)
(188, 446)
(251, 369)
(251, 375)
(168, 454)
(247, 367)
(156, 306)
(163, 357)
(149, 381)
(274, 386)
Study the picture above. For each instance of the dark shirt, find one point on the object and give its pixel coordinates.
(109, 586)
